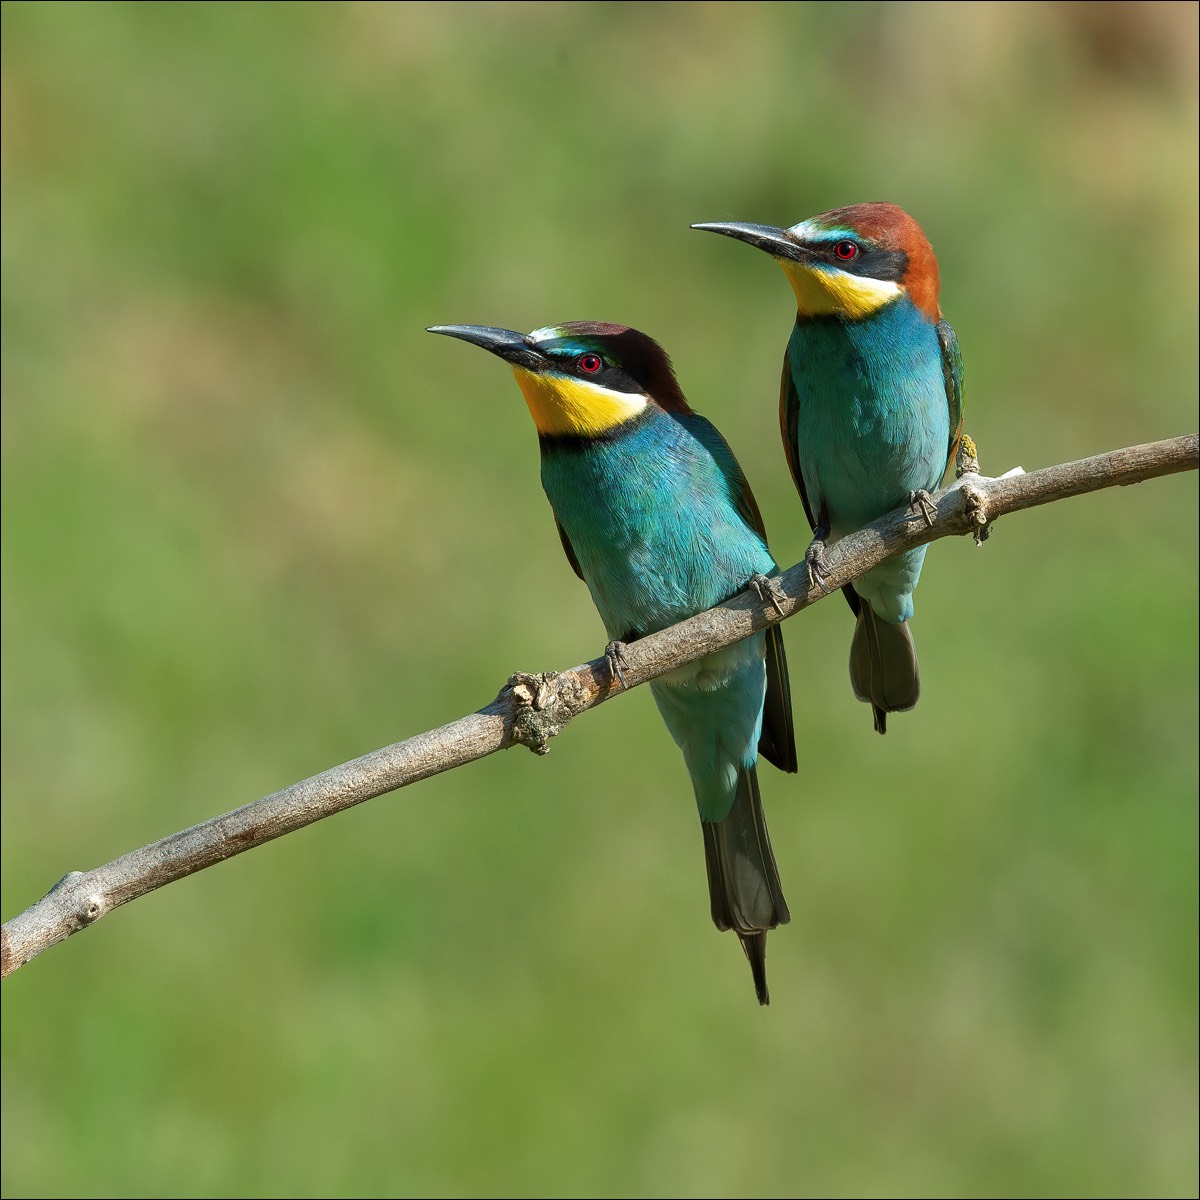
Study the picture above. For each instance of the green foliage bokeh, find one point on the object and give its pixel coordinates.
(257, 522)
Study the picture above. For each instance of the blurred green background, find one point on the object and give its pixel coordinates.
(256, 522)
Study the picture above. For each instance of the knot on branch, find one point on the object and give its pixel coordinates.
(975, 510)
(541, 705)
(82, 907)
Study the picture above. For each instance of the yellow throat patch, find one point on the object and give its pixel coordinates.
(565, 407)
(825, 292)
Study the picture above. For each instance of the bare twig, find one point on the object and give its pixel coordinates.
(531, 709)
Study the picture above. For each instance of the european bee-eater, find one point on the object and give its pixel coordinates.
(657, 519)
(870, 409)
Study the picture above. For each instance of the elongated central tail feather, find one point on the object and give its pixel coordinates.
(743, 880)
(883, 665)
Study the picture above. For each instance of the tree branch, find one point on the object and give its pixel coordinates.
(531, 709)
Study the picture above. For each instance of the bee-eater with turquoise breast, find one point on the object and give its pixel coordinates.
(870, 409)
(657, 519)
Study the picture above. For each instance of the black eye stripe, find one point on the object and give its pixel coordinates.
(872, 262)
(568, 354)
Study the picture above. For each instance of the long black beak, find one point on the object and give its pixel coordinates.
(775, 242)
(513, 347)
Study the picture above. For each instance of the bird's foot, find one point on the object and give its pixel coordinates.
(817, 566)
(767, 590)
(966, 458)
(922, 507)
(614, 656)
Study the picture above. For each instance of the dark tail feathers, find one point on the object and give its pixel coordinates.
(743, 880)
(883, 665)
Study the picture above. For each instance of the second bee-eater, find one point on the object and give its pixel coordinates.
(657, 519)
(870, 409)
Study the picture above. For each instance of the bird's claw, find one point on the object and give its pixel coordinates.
(921, 505)
(817, 566)
(767, 590)
(614, 657)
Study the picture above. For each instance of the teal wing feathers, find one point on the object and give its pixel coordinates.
(568, 548)
(630, 635)
(777, 743)
(789, 411)
(952, 369)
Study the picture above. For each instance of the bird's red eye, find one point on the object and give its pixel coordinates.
(590, 363)
(846, 250)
